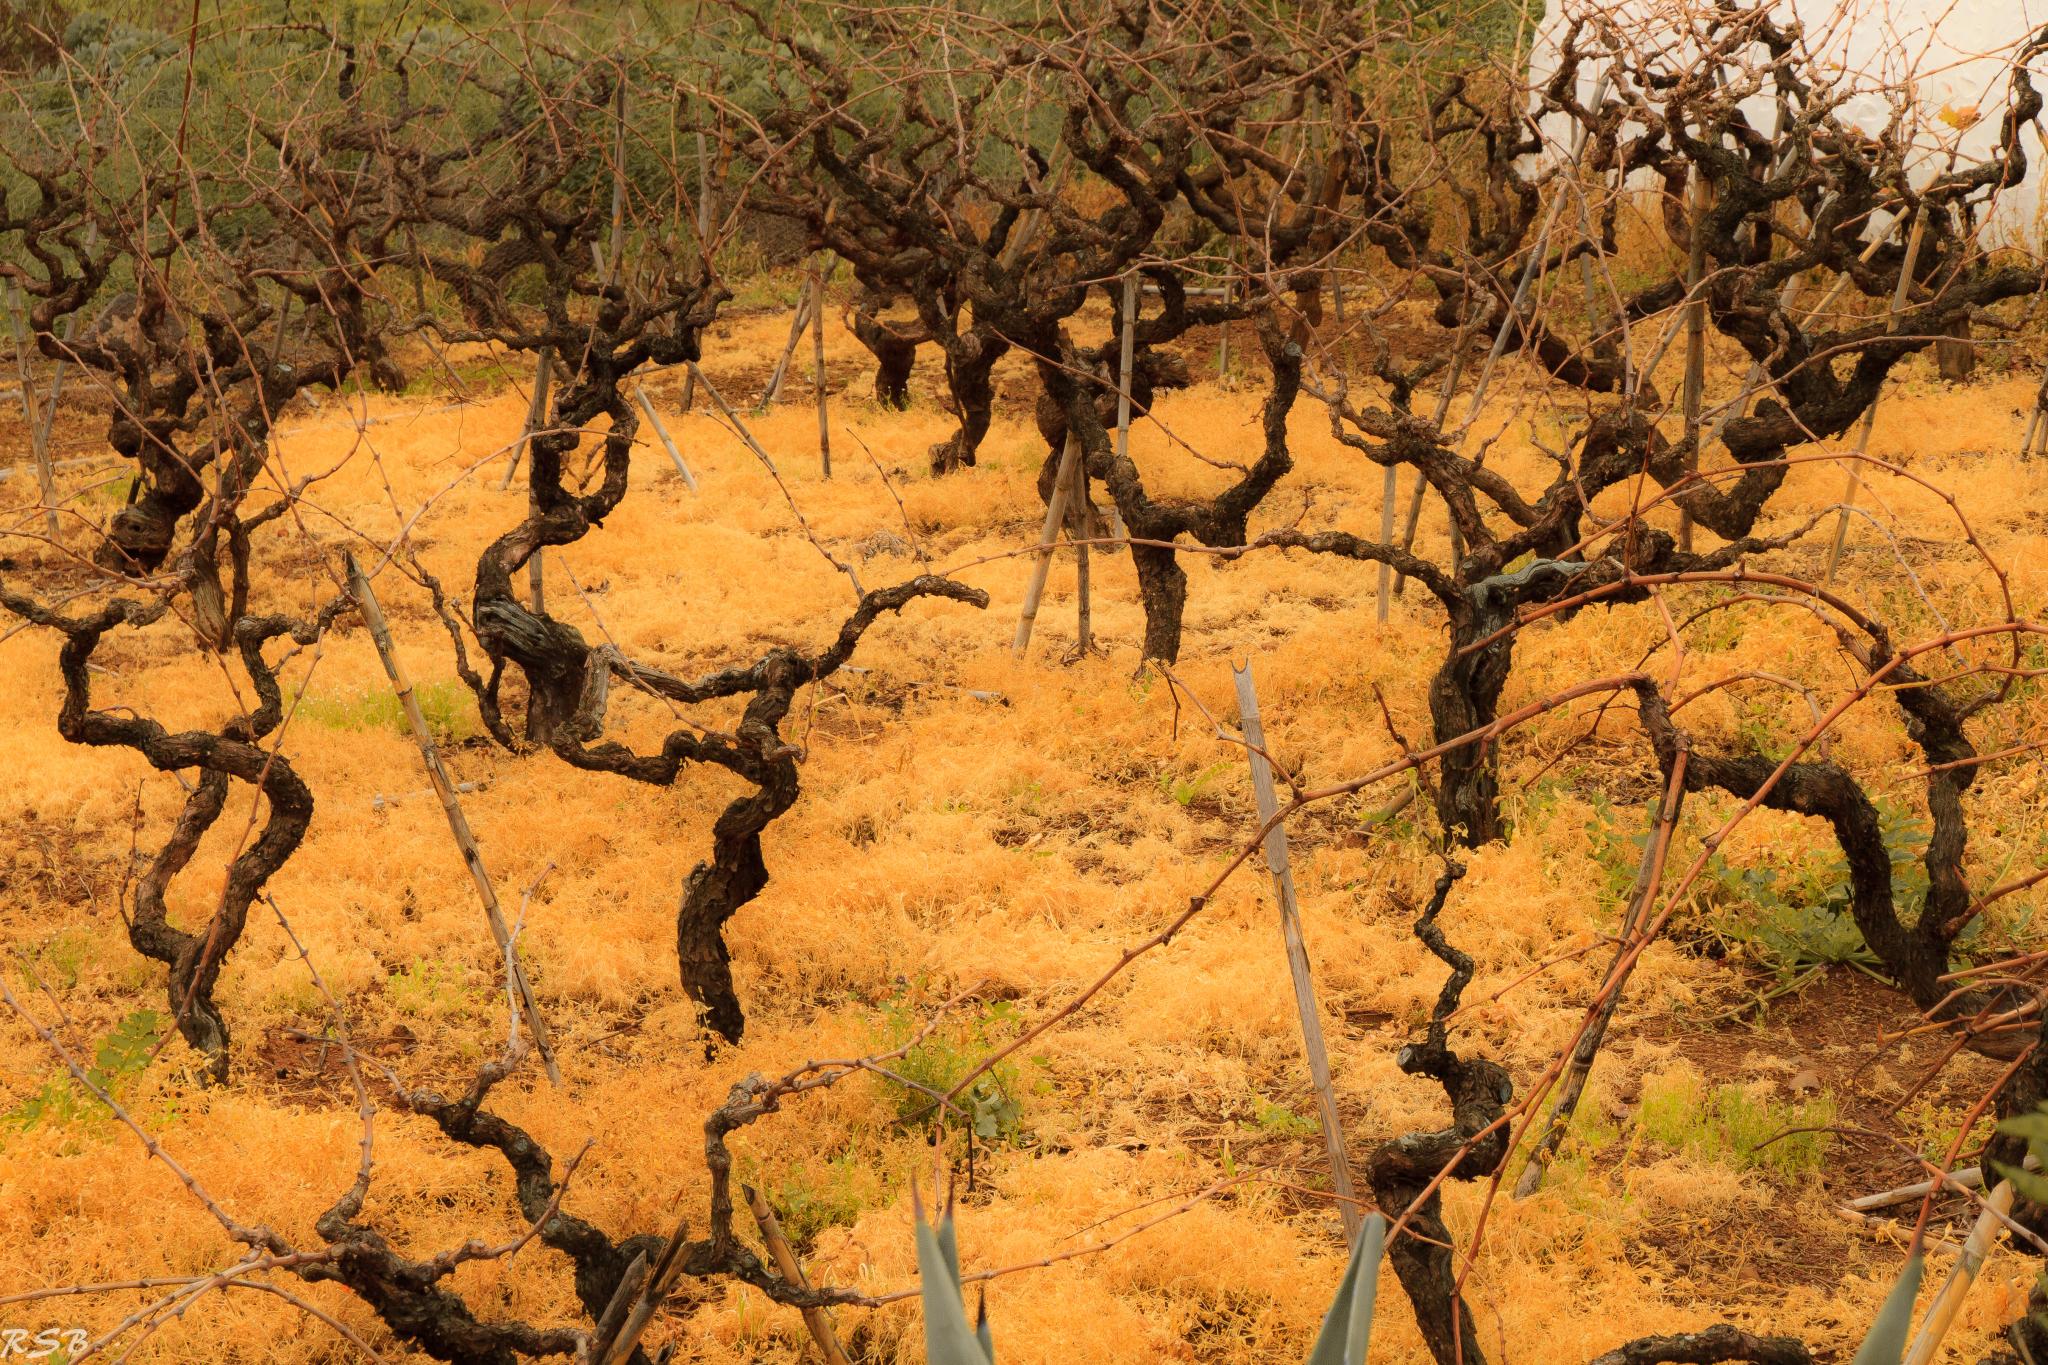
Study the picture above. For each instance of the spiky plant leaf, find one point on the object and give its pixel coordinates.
(947, 1338)
(1886, 1344)
(1347, 1327)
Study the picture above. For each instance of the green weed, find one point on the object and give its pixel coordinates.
(120, 1057)
(448, 706)
(1185, 790)
(435, 990)
(1732, 1126)
(941, 1060)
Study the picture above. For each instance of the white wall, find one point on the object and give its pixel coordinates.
(1957, 53)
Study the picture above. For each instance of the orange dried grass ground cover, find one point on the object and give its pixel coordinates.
(941, 840)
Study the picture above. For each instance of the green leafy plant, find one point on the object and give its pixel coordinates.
(1278, 1119)
(435, 990)
(1730, 1125)
(120, 1057)
(1790, 917)
(449, 709)
(1184, 790)
(942, 1059)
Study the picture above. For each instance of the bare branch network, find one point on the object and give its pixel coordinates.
(1427, 258)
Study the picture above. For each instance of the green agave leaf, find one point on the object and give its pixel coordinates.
(2032, 1125)
(1347, 1327)
(1886, 1344)
(947, 1338)
(2030, 1184)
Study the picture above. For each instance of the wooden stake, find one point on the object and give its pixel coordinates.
(2037, 419)
(1900, 296)
(614, 1316)
(1390, 493)
(1698, 197)
(773, 394)
(1641, 894)
(31, 408)
(654, 1288)
(536, 413)
(1941, 1314)
(1078, 531)
(818, 353)
(747, 437)
(1070, 455)
(458, 823)
(1123, 401)
(704, 211)
(1223, 332)
(1297, 952)
(1123, 372)
(668, 443)
(817, 1319)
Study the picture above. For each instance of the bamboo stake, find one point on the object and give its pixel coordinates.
(1641, 894)
(1900, 295)
(668, 1267)
(1077, 513)
(1967, 1177)
(746, 437)
(1941, 1314)
(1297, 950)
(1056, 509)
(31, 408)
(536, 413)
(703, 245)
(818, 353)
(773, 394)
(1698, 197)
(668, 442)
(817, 1319)
(458, 823)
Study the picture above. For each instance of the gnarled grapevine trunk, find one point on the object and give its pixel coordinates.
(970, 379)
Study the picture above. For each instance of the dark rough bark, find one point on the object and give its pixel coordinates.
(894, 348)
(232, 753)
(755, 751)
(1463, 696)
(1221, 521)
(1716, 1344)
(1478, 1090)
(970, 380)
